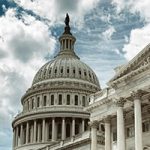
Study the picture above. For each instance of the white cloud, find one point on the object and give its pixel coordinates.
(23, 46)
(108, 33)
(134, 6)
(55, 10)
(139, 38)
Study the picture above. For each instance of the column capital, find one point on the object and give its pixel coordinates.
(137, 94)
(93, 124)
(107, 119)
(120, 102)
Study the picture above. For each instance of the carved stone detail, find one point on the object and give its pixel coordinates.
(120, 102)
(93, 124)
(137, 94)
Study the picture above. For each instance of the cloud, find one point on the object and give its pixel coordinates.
(139, 38)
(24, 44)
(108, 33)
(55, 10)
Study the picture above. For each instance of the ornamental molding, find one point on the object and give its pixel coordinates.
(21, 118)
(140, 62)
(71, 87)
(137, 94)
(119, 102)
(126, 77)
(98, 104)
(107, 119)
(94, 124)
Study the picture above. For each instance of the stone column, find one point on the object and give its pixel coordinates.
(107, 134)
(83, 125)
(73, 126)
(21, 134)
(14, 137)
(17, 136)
(46, 131)
(94, 125)
(138, 119)
(43, 130)
(34, 136)
(27, 132)
(63, 129)
(53, 130)
(120, 124)
(39, 132)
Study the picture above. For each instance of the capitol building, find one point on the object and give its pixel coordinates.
(66, 109)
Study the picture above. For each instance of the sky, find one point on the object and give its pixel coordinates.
(109, 33)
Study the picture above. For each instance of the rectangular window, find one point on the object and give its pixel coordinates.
(52, 99)
(67, 44)
(60, 100)
(68, 99)
(83, 101)
(38, 102)
(146, 126)
(32, 103)
(44, 102)
(115, 135)
(76, 99)
(130, 131)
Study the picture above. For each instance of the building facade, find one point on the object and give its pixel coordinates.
(53, 108)
(124, 107)
(65, 108)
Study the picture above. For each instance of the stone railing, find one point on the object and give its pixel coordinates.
(68, 141)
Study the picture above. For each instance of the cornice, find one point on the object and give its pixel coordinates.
(48, 114)
(97, 104)
(130, 75)
(141, 59)
(63, 86)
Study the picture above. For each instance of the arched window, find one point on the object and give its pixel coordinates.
(76, 99)
(68, 70)
(60, 100)
(28, 105)
(49, 71)
(32, 103)
(44, 102)
(56, 70)
(61, 70)
(83, 101)
(74, 71)
(68, 99)
(80, 72)
(85, 73)
(52, 99)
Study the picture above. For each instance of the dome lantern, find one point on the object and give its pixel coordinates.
(67, 40)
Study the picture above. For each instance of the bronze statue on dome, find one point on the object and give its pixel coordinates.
(67, 19)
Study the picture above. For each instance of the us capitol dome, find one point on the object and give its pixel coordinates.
(53, 107)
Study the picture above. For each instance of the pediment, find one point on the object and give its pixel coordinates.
(140, 60)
